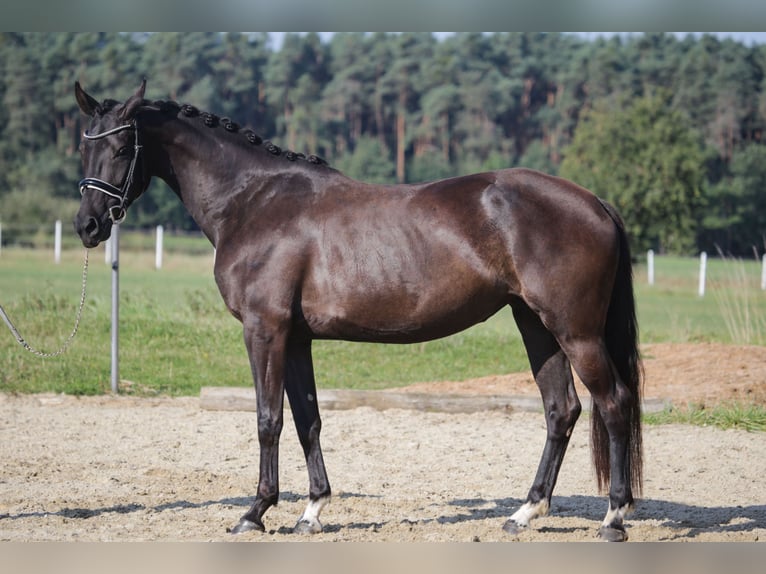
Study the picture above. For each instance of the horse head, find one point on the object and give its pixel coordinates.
(112, 164)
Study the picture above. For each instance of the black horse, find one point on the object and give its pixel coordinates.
(304, 252)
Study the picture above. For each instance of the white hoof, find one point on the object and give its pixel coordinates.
(307, 527)
(513, 527)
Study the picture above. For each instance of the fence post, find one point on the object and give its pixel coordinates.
(763, 272)
(703, 271)
(1, 238)
(650, 265)
(57, 242)
(158, 250)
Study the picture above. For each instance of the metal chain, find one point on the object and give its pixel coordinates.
(66, 344)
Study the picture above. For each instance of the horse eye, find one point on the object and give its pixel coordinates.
(123, 151)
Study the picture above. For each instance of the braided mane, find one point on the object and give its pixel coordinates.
(213, 121)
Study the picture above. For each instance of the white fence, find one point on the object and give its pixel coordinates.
(702, 274)
(41, 237)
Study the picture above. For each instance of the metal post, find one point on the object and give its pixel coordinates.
(650, 266)
(115, 250)
(108, 251)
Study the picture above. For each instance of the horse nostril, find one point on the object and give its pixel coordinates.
(91, 227)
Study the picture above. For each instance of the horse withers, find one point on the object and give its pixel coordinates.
(304, 252)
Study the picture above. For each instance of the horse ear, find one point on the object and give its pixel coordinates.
(129, 107)
(88, 105)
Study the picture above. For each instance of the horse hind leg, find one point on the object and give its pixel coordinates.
(553, 376)
(300, 386)
(611, 430)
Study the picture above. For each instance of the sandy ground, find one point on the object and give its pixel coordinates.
(123, 468)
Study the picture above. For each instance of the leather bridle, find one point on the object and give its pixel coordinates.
(117, 212)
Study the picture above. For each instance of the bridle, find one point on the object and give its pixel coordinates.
(117, 212)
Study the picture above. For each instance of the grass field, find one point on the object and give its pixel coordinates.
(733, 309)
(176, 335)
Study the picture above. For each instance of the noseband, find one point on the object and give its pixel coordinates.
(118, 212)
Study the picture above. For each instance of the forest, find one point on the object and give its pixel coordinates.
(668, 128)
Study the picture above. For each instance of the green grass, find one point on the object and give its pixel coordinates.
(728, 416)
(732, 311)
(176, 335)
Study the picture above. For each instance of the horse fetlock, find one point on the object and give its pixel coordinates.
(615, 515)
(612, 528)
(520, 519)
(309, 523)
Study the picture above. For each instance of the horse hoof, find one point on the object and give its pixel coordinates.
(246, 525)
(307, 527)
(513, 527)
(611, 534)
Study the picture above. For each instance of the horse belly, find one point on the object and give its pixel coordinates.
(406, 313)
(412, 271)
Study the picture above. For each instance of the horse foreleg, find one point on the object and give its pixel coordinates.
(301, 392)
(267, 357)
(553, 376)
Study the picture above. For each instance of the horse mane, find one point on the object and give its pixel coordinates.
(212, 121)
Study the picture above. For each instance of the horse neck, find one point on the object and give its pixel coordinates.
(205, 167)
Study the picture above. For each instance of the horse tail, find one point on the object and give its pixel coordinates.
(621, 333)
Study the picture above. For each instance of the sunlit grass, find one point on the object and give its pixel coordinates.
(740, 299)
(726, 416)
(730, 312)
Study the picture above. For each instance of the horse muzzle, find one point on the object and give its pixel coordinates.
(91, 230)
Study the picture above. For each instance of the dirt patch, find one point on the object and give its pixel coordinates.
(704, 374)
(122, 468)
